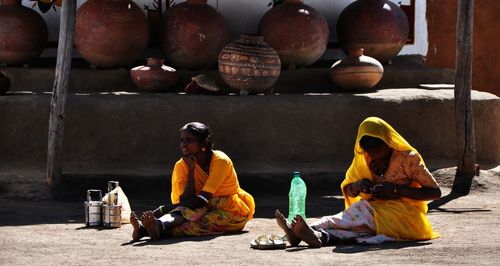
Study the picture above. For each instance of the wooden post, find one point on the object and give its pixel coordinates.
(466, 145)
(59, 91)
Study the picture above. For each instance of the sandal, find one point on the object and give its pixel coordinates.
(266, 242)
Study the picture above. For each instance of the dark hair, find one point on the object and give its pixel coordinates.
(368, 143)
(200, 131)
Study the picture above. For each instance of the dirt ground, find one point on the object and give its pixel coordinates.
(43, 231)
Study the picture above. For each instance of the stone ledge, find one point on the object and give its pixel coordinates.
(290, 81)
(139, 131)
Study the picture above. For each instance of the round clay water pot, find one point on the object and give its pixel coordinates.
(192, 34)
(249, 64)
(154, 76)
(296, 31)
(378, 26)
(23, 33)
(356, 72)
(4, 82)
(111, 33)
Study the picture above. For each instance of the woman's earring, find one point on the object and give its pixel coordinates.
(202, 148)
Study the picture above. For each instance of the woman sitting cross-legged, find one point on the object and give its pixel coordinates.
(206, 195)
(385, 190)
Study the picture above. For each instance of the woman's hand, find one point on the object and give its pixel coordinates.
(355, 188)
(190, 160)
(189, 189)
(386, 190)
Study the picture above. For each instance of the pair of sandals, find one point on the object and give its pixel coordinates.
(266, 242)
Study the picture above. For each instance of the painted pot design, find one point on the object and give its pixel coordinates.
(356, 71)
(23, 33)
(378, 26)
(249, 64)
(4, 82)
(154, 76)
(193, 34)
(296, 31)
(111, 33)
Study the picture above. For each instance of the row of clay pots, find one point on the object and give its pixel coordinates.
(114, 33)
(192, 33)
(251, 66)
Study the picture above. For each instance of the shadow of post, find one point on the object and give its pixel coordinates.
(443, 200)
(436, 206)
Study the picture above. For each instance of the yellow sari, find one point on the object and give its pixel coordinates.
(228, 210)
(403, 218)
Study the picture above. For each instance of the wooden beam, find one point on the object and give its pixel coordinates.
(59, 91)
(466, 145)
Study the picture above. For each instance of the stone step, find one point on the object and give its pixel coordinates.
(138, 133)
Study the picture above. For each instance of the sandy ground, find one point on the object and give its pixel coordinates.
(52, 232)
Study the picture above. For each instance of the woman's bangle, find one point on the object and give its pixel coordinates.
(395, 189)
(203, 198)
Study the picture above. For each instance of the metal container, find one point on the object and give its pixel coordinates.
(93, 208)
(111, 215)
(112, 185)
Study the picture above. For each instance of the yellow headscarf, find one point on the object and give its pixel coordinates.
(388, 212)
(378, 128)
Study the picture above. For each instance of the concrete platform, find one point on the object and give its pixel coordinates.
(137, 133)
(313, 79)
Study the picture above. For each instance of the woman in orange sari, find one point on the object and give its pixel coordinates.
(206, 196)
(385, 192)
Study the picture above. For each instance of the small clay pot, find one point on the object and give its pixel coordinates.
(4, 82)
(154, 76)
(356, 71)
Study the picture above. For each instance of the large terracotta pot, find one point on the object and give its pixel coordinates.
(192, 35)
(378, 26)
(4, 82)
(356, 71)
(296, 31)
(111, 33)
(23, 33)
(249, 64)
(154, 76)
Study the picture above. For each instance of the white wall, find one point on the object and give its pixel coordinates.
(243, 16)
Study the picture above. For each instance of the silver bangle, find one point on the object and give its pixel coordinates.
(203, 198)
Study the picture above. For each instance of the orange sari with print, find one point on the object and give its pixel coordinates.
(230, 207)
(403, 218)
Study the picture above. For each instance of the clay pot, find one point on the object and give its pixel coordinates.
(192, 35)
(378, 26)
(4, 82)
(23, 33)
(356, 71)
(111, 33)
(249, 64)
(296, 31)
(154, 76)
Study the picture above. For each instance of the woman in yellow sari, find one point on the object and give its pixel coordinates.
(385, 192)
(206, 196)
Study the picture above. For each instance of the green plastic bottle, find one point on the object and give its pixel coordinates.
(297, 197)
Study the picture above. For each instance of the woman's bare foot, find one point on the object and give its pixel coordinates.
(149, 222)
(303, 231)
(292, 238)
(139, 231)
